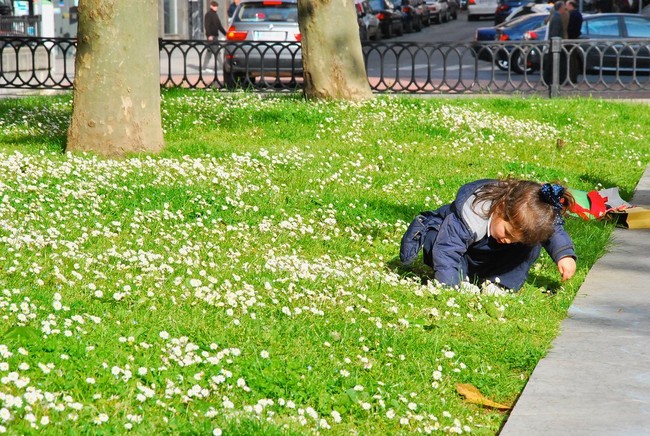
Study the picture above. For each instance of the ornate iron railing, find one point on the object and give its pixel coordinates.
(602, 67)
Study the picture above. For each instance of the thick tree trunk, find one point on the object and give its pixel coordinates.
(116, 108)
(331, 50)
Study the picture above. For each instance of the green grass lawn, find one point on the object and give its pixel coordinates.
(246, 280)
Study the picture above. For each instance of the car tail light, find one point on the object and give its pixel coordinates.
(235, 35)
(471, 2)
(502, 8)
(298, 36)
(503, 37)
(531, 35)
(405, 9)
(271, 3)
(381, 16)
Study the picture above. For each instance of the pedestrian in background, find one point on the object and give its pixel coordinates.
(212, 25)
(232, 7)
(573, 32)
(558, 23)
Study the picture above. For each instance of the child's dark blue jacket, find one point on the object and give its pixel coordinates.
(451, 247)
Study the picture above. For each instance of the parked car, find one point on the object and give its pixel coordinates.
(504, 7)
(390, 19)
(369, 26)
(423, 12)
(507, 57)
(477, 9)
(438, 10)
(410, 16)
(606, 56)
(252, 23)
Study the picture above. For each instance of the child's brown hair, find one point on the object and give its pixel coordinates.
(531, 208)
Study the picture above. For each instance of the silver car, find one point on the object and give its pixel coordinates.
(369, 25)
(264, 42)
(438, 10)
(481, 8)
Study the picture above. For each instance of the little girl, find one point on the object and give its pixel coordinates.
(493, 231)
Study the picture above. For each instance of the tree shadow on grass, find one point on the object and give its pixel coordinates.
(31, 143)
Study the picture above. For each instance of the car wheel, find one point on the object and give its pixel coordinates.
(400, 29)
(445, 18)
(521, 63)
(389, 31)
(471, 17)
(502, 62)
(420, 25)
(455, 15)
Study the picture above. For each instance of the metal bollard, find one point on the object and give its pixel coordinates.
(556, 48)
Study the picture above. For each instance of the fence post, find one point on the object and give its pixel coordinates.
(556, 49)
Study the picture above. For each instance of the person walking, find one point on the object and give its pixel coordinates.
(557, 25)
(573, 32)
(212, 25)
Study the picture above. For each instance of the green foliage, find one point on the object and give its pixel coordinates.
(246, 281)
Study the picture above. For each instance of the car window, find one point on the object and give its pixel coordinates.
(601, 26)
(637, 27)
(524, 23)
(377, 5)
(529, 24)
(281, 12)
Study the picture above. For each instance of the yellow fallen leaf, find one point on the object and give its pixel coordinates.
(474, 396)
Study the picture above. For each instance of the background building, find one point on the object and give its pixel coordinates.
(177, 19)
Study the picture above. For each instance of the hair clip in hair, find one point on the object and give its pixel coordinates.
(553, 195)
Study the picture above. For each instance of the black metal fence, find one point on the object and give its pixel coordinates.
(563, 67)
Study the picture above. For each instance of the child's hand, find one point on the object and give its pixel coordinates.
(567, 267)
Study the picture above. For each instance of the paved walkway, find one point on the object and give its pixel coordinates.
(596, 378)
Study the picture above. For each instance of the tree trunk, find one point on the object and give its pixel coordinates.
(331, 50)
(116, 107)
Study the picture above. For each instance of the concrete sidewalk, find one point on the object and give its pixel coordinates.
(596, 378)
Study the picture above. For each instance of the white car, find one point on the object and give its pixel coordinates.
(480, 8)
(369, 25)
(438, 10)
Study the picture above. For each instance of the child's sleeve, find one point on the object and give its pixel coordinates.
(560, 244)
